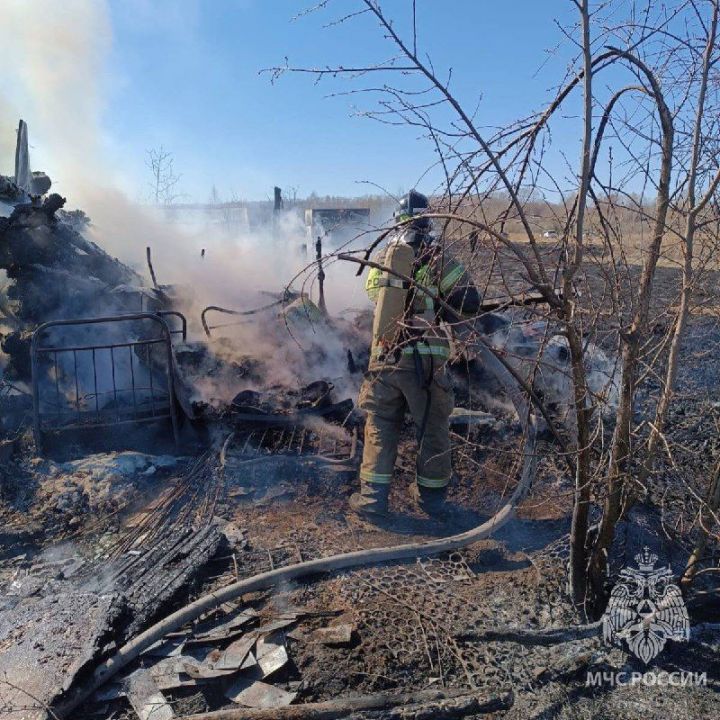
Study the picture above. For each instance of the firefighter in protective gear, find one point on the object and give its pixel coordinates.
(408, 355)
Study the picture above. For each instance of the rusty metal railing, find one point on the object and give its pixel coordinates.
(75, 393)
(258, 446)
(182, 330)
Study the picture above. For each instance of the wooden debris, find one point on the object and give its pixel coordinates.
(471, 704)
(370, 556)
(45, 643)
(146, 699)
(225, 629)
(235, 654)
(167, 673)
(281, 622)
(205, 672)
(166, 648)
(168, 562)
(209, 670)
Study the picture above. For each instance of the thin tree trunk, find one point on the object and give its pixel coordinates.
(579, 526)
(687, 277)
(707, 517)
(613, 506)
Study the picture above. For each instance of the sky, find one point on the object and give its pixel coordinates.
(186, 74)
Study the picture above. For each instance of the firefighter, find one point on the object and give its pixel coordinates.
(408, 355)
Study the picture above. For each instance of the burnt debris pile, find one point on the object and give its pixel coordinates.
(52, 271)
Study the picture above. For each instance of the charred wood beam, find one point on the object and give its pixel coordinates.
(450, 704)
(151, 580)
(148, 254)
(158, 289)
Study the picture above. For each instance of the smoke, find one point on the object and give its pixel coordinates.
(60, 54)
(56, 54)
(60, 64)
(543, 358)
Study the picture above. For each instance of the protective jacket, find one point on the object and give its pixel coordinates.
(419, 328)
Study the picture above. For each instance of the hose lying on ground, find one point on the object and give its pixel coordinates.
(334, 563)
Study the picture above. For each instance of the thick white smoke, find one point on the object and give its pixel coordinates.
(56, 55)
(60, 54)
(60, 66)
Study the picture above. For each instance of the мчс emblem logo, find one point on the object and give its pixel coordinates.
(646, 609)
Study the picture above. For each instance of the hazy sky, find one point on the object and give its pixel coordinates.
(185, 74)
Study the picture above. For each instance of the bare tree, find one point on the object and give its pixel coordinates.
(646, 183)
(292, 193)
(163, 185)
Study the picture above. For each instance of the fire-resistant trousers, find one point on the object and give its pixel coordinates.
(385, 396)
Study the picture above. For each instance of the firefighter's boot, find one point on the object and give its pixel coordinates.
(432, 501)
(372, 500)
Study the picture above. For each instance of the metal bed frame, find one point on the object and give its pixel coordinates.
(148, 403)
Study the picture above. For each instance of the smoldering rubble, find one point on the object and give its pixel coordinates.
(159, 446)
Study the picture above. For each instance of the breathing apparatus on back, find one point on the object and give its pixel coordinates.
(400, 257)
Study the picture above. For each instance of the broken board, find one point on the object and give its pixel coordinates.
(45, 644)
